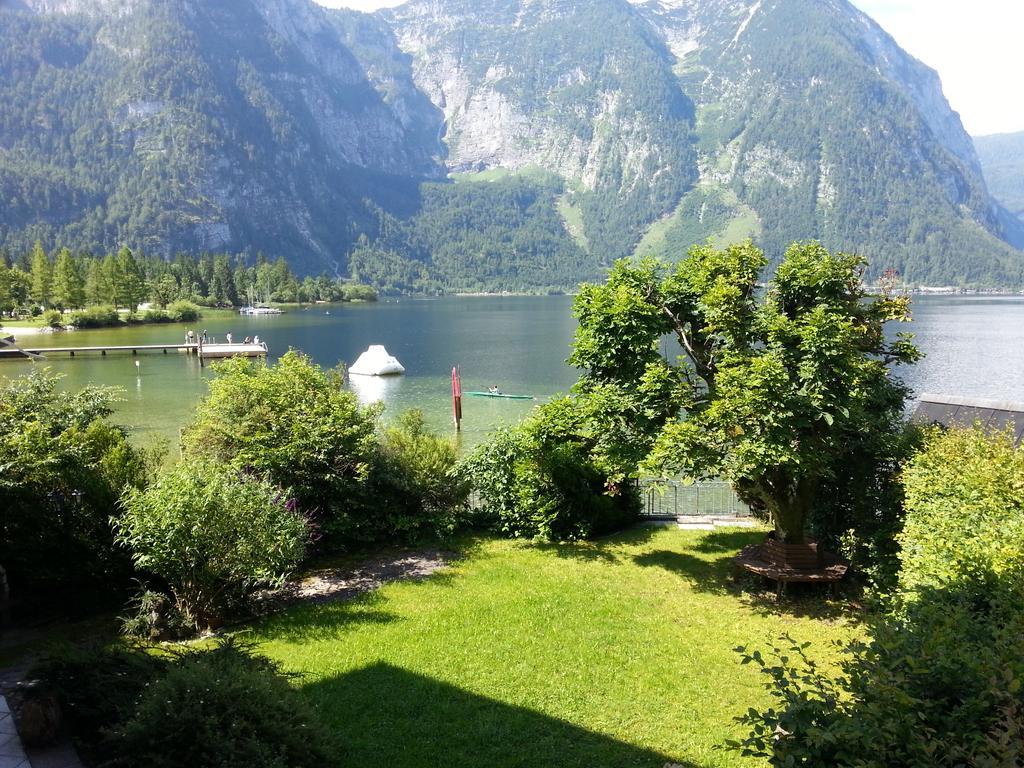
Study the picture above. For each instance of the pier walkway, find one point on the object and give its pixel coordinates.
(10, 350)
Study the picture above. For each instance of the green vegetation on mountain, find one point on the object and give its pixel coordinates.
(501, 235)
(1002, 160)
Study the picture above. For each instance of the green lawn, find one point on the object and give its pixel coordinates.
(612, 654)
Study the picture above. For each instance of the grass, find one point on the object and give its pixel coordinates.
(618, 653)
(572, 215)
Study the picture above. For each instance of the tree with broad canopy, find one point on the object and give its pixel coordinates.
(773, 388)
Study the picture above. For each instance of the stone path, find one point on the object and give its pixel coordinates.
(12, 755)
(15, 755)
(711, 522)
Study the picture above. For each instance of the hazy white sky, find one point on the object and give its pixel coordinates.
(977, 46)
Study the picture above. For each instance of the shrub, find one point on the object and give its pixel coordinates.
(413, 483)
(155, 316)
(941, 681)
(52, 318)
(97, 689)
(293, 422)
(220, 706)
(100, 316)
(64, 470)
(540, 479)
(227, 708)
(214, 535)
(183, 312)
(357, 292)
(965, 512)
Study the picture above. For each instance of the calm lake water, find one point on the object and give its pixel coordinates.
(974, 346)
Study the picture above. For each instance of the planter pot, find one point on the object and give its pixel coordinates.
(800, 556)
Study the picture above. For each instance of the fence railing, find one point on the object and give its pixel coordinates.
(669, 499)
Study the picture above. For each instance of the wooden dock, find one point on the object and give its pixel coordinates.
(12, 351)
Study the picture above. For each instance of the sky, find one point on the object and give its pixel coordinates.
(977, 46)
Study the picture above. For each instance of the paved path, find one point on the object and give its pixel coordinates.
(12, 755)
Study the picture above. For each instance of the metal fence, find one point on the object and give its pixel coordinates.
(669, 499)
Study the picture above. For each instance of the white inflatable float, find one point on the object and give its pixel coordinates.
(376, 361)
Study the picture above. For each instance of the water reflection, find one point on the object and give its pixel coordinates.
(375, 389)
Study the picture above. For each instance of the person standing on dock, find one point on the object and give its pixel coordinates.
(229, 337)
(205, 337)
(190, 337)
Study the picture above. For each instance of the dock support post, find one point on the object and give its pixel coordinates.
(103, 352)
(72, 353)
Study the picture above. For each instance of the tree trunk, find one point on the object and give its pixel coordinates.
(789, 501)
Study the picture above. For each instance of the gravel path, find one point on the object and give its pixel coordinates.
(332, 584)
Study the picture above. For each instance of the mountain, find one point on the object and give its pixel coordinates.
(486, 144)
(1002, 160)
(188, 125)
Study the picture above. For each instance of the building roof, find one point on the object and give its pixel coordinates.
(951, 410)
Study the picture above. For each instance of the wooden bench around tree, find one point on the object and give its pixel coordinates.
(754, 559)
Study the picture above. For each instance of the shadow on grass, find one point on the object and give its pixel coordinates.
(731, 541)
(703, 575)
(315, 622)
(719, 575)
(391, 718)
(597, 550)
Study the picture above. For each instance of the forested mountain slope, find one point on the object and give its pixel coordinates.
(185, 125)
(1002, 160)
(485, 144)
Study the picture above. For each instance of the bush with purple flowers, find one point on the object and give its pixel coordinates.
(214, 535)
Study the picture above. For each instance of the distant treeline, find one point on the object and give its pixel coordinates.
(65, 280)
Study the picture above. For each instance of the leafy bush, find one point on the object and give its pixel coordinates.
(357, 292)
(155, 616)
(225, 708)
(214, 535)
(53, 319)
(98, 688)
(183, 312)
(965, 512)
(293, 422)
(100, 316)
(863, 513)
(541, 479)
(64, 470)
(941, 681)
(155, 316)
(221, 706)
(413, 483)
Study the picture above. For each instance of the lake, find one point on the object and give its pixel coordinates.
(974, 346)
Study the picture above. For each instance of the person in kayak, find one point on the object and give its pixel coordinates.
(493, 389)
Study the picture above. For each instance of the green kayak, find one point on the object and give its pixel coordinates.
(500, 394)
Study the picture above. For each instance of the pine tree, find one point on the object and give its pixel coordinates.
(42, 276)
(97, 284)
(129, 282)
(68, 286)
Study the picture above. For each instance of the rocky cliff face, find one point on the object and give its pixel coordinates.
(584, 90)
(806, 118)
(282, 126)
(236, 125)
